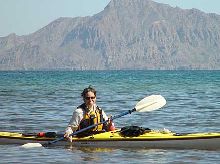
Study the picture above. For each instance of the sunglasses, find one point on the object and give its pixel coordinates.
(88, 98)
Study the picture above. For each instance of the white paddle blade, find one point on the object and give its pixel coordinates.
(31, 145)
(150, 103)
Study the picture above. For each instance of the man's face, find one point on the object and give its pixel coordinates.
(90, 99)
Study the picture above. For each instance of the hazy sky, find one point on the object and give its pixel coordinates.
(27, 16)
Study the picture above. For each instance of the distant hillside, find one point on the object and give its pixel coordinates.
(127, 34)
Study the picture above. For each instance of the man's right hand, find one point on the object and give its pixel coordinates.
(68, 133)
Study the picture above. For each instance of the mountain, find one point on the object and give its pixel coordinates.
(127, 34)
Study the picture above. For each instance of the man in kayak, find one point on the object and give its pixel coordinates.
(88, 114)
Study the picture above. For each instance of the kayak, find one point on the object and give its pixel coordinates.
(150, 139)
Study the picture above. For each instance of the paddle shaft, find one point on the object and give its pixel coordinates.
(91, 126)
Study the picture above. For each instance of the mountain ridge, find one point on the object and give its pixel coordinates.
(127, 34)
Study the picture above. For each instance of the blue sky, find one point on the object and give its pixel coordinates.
(27, 16)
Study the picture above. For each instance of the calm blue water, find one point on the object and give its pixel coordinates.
(44, 101)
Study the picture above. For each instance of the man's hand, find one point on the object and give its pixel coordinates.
(111, 126)
(68, 133)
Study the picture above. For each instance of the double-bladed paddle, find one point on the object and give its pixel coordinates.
(149, 103)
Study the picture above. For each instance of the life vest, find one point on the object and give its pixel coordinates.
(92, 118)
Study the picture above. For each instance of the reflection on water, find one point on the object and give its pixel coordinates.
(90, 149)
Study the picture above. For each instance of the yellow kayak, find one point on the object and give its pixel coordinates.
(150, 139)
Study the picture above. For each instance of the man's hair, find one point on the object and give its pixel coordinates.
(88, 89)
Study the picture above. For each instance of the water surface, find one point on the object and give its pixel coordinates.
(44, 101)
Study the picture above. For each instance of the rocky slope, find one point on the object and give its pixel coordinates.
(127, 34)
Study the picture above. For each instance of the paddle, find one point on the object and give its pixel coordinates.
(147, 104)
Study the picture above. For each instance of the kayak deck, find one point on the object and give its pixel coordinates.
(151, 139)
